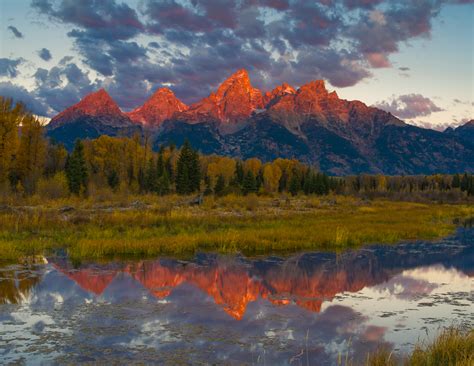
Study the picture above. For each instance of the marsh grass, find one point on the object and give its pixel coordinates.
(453, 346)
(252, 225)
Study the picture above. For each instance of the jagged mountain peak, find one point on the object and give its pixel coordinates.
(162, 105)
(234, 101)
(98, 104)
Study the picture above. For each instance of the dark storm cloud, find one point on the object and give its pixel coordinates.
(102, 19)
(9, 67)
(351, 4)
(409, 106)
(200, 42)
(15, 31)
(45, 54)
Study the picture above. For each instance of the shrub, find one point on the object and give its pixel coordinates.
(54, 187)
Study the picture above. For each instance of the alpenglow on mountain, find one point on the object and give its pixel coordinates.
(309, 123)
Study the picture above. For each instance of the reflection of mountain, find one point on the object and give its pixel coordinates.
(91, 279)
(306, 279)
(15, 286)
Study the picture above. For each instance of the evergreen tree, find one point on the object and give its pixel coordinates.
(239, 173)
(151, 177)
(76, 169)
(259, 179)
(169, 170)
(113, 179)
(160, 165)
(207, 183)
(141, 179)
(220, 185)
(195, 172)
(249, 184)
(295, 184)
(464, 183)
(164, 184)
(188, 171)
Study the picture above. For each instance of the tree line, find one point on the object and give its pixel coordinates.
(30, 164)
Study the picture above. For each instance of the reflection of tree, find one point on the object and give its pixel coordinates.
(16, 285)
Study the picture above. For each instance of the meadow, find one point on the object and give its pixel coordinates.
(149, 225)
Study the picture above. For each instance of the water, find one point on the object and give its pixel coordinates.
(302, 310)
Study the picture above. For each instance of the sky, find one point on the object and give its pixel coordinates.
(413, 58)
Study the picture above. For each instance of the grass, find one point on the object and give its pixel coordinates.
(251, 225)
(454, 346)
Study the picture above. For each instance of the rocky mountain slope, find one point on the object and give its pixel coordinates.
(95, 115)
(309, 123)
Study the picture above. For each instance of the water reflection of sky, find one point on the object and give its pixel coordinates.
(309, 307)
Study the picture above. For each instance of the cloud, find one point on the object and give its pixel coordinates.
(199, 42)
(15, 31)
(9, 67)
(102, 19)
(378, 60)
(20, 94)
(63, 85)
(45, 54)
(351, 4)
(409, 106)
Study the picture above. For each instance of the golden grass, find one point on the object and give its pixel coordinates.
(453, 346)
(249, 224)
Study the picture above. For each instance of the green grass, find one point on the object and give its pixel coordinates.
(246, 224)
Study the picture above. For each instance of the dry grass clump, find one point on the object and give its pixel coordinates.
(453, 346)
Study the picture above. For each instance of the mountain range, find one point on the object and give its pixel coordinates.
(309, 123)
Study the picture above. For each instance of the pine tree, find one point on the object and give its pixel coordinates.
(456, 183)
(188, 170)
(76, 169)
(160, 165)
(194, 172)
(259, 179)
(182, 169)
(151, 177)
(163, 184)
(220, 185)
(464, 183)
(295, 184)
(207, 184)
(249, 184)
(113, 179)
(239, 173)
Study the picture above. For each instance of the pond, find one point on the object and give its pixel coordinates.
(305, 309)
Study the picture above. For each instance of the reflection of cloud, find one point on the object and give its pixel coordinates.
(439, 275)
(406, 287)
(373, 333)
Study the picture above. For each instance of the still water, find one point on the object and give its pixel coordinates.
(306, 309)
